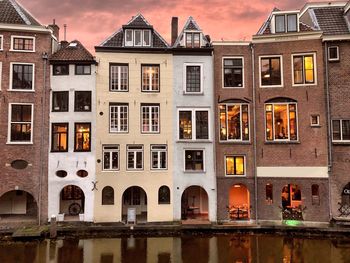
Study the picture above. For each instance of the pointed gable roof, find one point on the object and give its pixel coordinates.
(11, 12)
(72, 52)
(137, 22)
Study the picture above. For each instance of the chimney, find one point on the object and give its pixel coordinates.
(174, 29)
(56, 29)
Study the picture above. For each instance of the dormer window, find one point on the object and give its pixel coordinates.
(137, 38)
(286, 23)
(193, 40)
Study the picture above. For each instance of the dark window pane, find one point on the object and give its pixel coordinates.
(336, 129)
(233, 72)
(60, 100)
(202, 122)
(108, 196)
(270, 71)
(83, 70)
(164, 195)
(22, 77)
(333, 53)
(346, 129)
(194, 160)
(82, 101)
(193, 79)
(60, 69)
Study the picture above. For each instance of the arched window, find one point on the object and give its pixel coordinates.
(315, 194)
(107, 196)
(269, 194)
(164, 195)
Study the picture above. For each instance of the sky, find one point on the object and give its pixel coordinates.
(92, 21)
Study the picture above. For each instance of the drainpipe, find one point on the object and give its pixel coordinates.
(254, 138)
(330, 157)
(43, 131)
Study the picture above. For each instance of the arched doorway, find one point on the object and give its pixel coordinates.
(239, 202)
(135, 198)
(194, 204)
(18, 204)
(291, 202)
(72, 203)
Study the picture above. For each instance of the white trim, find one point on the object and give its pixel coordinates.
(193, 120)
(184, 158)
(1, 42)
(141, 38)
(231, 43)
(244, 165)
(272, 38)
(11, 76)
(135, 159)
(285, 14)
(293, 171)
(281, 69)
(9, 123)
(24, 28)
(223, 74)
(335, 37)
(340, 130)
(21, 50)
(158, 151)
(150, 83)
(118, 105)
(320, 4)
(185, 78)
(126, 43)
(116, 149)
(150, 107)
(318, 120)
(315, 69)
(333, 59)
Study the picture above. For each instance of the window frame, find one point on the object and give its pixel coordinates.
(244, 165)
(103, 199)
(313, 54)
(194, 123)
(76, 92)
(150, 80)
(142, 150)
(223, 72)
(75, 136)
(129, 43)
(158, 151)
(9, 122)
(200, 65)
(329, 54)
(54, 72)
(52, 100)
(149, 106)
(164, 202)
(119, 105)
(11, 77)
(192, 33)
(318, 120)
(21, 50)
(285, 15)
(340, 129)
(67, 134)
(110, 151)
(1, 42)
(184, 159)
(82, 65)
(119, 84)
(281, 70)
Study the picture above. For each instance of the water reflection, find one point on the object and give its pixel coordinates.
(233, 248)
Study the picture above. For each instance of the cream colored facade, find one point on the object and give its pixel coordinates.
(149, 180)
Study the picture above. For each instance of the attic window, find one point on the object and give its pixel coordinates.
(73, 44)
(286, 23)
(193, 40)
(137, 38)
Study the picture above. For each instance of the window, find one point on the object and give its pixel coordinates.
(132, 196)
(138, 38)
(60, 70)
(82, 101)
(60, 101)
(1, 42)
(107, 196)
(118, 117)
(315, 194)
(149, 118)
(61, 173)
(82, 173)
(194, 124)
(118, 77)
(59, 138)
(158, 157)
(22, 76)
(234, 165)
(82, 137)
(290, 20)
(304, 69)
(271, 71)
(22, 43)
(72, 192)
(315, 120)
(82, 69)
(193, 81)
(164, 195)
(281, 122)
(269, 194)
(110, 158)
(234, 122)
(21, 123)
(193, 40)
(129, 37)
(146, 38)
(341, 130)
(150, 78)
(135, 157)
(194, 160)
(280, 24)
(233, 72)
(333, 53)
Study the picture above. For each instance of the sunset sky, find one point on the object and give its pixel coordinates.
(91, 21)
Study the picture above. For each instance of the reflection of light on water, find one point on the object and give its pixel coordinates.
(131, 242)
(291, 222)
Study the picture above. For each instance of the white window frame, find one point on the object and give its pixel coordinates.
(150, 106)
(315, 69)
(318, 120)
(11, 77)
(150, 78)
(9, 124)
(285, 13)
(329, 54)
(24, 37)
(141, 37)
(223, 72)
(118, 105)
(185, 78)
(244, 165)
(119, 77)
(135, 159)
(341, 130)
(1, 42)
(159, 151)
(184, 159)
(129, 43)
(192, 32)
(273, 122)
(281, 65)
(193, 120)
(110, 151)
(249, 127)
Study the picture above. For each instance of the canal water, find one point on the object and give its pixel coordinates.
(233, 248)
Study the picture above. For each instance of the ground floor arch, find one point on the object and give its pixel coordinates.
(239, 202)
(291, 201)
(72, 203)
(194, 203)
(135, 198)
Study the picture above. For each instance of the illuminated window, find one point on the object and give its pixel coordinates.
(234, 122)
(135, 157)
(118, 77)
(59, 139)
(304, 69)
(235, 165)
(149, 118)
(271, 71)
(110, 158)
(82, 137)
(281, 122)
(150, 78)
(233, 72)
(341, 130)
(194, 124)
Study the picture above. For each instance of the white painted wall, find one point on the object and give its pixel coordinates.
(72, 161)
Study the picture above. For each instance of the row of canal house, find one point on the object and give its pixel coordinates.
(192, 130)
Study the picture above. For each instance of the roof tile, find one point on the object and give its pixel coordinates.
(69, 52)
(12, 12)
(331, 20)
